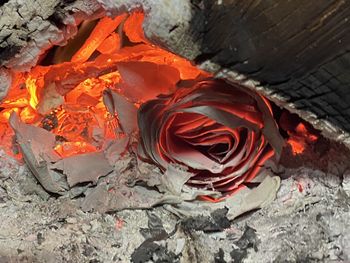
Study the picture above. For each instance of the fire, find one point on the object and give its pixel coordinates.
(66, 98)
(300, 138)
(297, 145)
(105, 27)
(31, 87)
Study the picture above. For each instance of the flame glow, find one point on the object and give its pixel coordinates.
(300, 138)
(66, 98)
(32, 89)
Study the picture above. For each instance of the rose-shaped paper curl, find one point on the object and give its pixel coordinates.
(222, 133)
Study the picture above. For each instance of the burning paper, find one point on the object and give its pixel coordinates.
(78, 124)
(221, 133)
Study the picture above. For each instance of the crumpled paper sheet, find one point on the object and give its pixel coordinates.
(57, 175)
(243, 201)
(36, 145)
(84, 167)
(125, 182)
(144, 186)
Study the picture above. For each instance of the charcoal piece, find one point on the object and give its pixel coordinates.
(220, 217)
(60, 138)
(216, 222)
(49, 122)
(150, 251)
(154, 222)
(3, 195)
(9, 51)
(2, 2)
(155, 228)
(219, 257)
(40, 238)
(247, 241)
(204, 224)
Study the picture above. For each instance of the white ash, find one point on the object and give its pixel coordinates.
(5, 82)
(309, 221)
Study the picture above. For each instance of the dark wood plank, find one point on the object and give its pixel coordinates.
(298, 48)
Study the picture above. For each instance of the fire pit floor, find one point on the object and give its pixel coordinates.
(308, 222)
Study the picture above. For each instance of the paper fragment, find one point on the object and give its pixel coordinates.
(104, 198)
(84, 167)
(258, 197)
(215, 129)
(116, 149)
(241, 202)
(125, 110)
(37, 145)
(50, 99)
(146, 80)
(174, 179)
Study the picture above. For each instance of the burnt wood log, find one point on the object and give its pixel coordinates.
(298, 50)
(294, 52)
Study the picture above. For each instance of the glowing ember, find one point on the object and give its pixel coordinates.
(300, 138)
(297, 145)
(105, 27)
(66, 98)
(211, 130)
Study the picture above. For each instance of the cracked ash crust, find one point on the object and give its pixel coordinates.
(28, 29)
(308, 222)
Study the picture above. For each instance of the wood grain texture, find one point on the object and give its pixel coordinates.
(299, 49)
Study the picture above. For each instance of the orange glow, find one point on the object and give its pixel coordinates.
(32, 89)
(302, 130)
(67, 149)
(298, 145)
(133, 27)
(103, 29)
(28, 114)
(110, 44)
(300, 138)
(253, 173)
(5, 114)
(66, 98)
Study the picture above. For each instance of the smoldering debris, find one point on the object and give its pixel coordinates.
(307, 199)
(124, 183)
